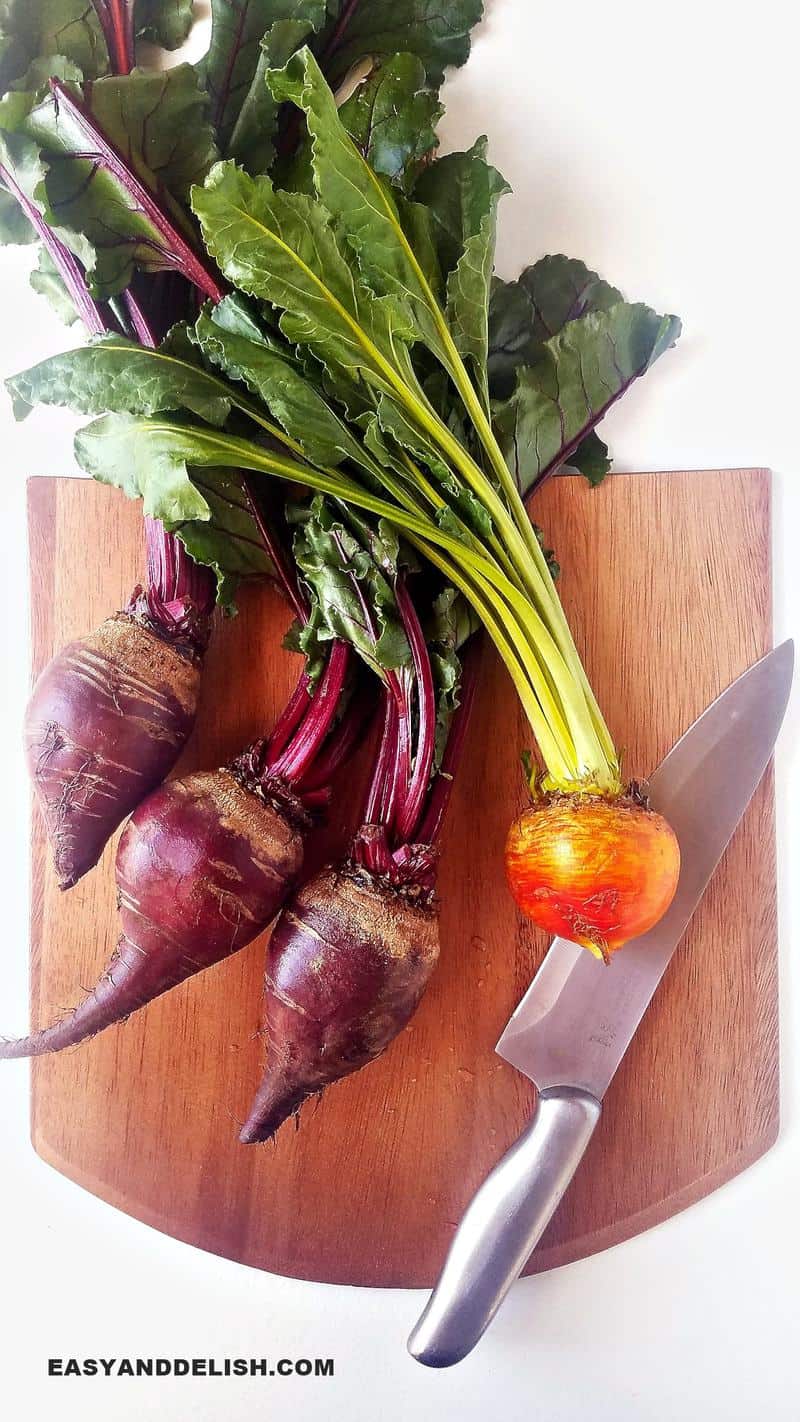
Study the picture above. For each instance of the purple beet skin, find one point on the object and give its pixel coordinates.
(107, 719)
(349, 960)
(202, 867)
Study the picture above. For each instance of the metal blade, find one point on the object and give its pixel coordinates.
(574, 1024)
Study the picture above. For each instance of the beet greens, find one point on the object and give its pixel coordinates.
(353, 342)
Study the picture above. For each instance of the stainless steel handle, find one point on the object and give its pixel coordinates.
(502, 1226)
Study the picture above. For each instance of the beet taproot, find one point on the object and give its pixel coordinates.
(353, 950)
(595, 870)
(106, 722)
(349, 960)
(202, 867)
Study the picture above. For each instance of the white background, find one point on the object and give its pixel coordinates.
(660, 146)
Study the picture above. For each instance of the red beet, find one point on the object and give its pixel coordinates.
(107, 720)
(352, 952)
(349, 960)
(202, 867)
(206, 861)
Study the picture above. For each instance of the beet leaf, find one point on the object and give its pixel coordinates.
(350, 568)
(35, 33)
(392, 117)
(436, 31)
(525, 313)
(227, 540)
(577, 376)
(118, 213)
(462, 191)
(163, 22)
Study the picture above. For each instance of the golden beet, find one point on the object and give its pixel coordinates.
(595, 870)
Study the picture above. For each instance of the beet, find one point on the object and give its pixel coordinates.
(206, 861)
(349, 960)
(106, 721)
(353, 950)
(202, 868)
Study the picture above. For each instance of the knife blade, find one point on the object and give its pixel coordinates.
(576, 1021)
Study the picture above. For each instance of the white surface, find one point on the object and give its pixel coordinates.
(660, 150)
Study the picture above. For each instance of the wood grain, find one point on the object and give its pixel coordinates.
(667, 583)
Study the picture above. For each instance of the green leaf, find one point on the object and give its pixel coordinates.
(392, 116)
(365, 207)
(436, 32)
(14, 109)
(349, 567)
(246, 39)
(228, 541)
(20, 157)
(368, 216)
(462, 191)
(230, 337)
(15, 229)
(251, 142)
(47, 282)
(591, 459)
(149, 458)
(33, 85)
(148, 461)
(156, 120)
(207, 507)
(119, 375)
(164, 22)
(35, 30)
(523, 314)
(460, 500)
(280, 247)
(451, 622)
(575, 379)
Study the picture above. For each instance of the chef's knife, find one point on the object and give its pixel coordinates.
(573, 1026)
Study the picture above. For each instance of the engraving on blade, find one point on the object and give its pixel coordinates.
(574, 1024)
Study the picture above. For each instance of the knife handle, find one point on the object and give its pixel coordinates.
(502, 1225)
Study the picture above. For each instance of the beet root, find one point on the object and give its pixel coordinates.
(202, 867)
(348, 962)
(106, 721)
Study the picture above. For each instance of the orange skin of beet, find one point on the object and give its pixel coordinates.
(594, 870)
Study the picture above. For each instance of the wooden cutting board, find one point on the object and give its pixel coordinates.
(667, 584)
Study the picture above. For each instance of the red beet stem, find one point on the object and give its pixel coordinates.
(400, 781)
(338, 747)
(175, 251)
(284, 568)
(175, 583)
(290, 717)
(396, 782)
(116, 22)
(67, 266)
(432, 822)
(173, 576)
(300, 753)
(317, 799)
(338, 32)
(384, 764)
(414, 795)
(142, 329)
